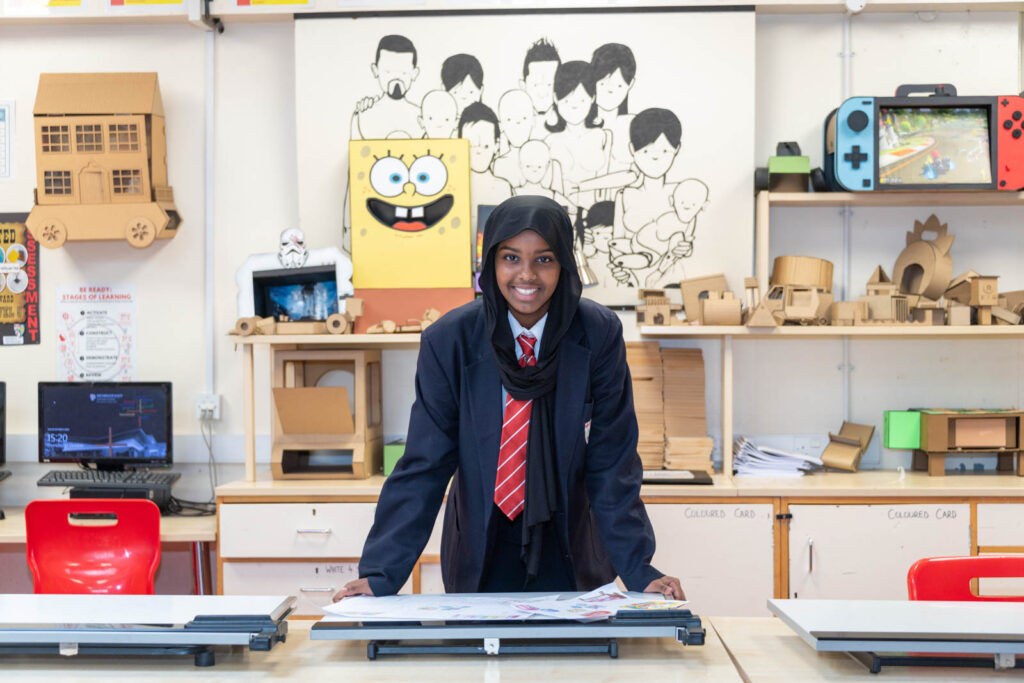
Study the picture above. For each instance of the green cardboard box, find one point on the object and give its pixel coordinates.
(392, 452)
(903, 429)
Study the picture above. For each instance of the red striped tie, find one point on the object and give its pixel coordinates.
(510, 483)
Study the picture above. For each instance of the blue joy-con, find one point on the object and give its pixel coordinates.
(855, 144)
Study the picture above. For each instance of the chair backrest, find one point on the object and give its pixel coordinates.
(117, 553)
(949, 578)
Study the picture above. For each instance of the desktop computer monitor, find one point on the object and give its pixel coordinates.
(110, 425)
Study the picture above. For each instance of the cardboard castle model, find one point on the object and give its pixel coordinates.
(101, 160)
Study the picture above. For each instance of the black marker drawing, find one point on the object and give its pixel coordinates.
(538, 81)
(389, 113)
(479, 125)
(439, 115)
(614, 69)
(463, 78)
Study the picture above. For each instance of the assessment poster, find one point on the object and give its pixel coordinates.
(19, 282)
(96, 333)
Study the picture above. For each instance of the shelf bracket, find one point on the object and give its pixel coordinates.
(199, 16)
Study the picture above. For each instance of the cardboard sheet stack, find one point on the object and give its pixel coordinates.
(687, 445)
(644, 362)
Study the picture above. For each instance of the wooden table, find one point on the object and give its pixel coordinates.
(766, 650)
(299, 658)
(201, 532)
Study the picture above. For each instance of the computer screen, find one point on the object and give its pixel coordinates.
(108, 424)
(308, 293)
(934, 146)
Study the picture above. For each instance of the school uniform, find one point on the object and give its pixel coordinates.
(599, 527)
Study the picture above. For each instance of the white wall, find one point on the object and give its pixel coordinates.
(791, 387)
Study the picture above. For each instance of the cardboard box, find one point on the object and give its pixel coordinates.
(313, 410)
(101, 160)
(902, 429)
(392, 452)
(844, 450)
(721, 308)
(944, 430)
(802, 271)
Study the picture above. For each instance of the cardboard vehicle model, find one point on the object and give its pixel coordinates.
(101, 160)
(799, 304)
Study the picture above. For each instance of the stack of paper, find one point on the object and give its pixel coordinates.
(688, 446)
(750, 459)
(600, 603)
(644, 362)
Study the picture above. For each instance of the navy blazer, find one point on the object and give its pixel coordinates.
(455, 430)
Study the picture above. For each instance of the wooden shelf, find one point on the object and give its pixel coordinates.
(361, 341)
(839, 331)
(895, 198)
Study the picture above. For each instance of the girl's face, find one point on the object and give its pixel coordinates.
(575, 106)
(527, 273)
(612, 90)
(655, 159)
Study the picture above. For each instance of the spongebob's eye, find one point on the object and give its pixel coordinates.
(429, 174)
(388, 176)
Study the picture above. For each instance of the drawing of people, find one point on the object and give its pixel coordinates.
(538, 81)
(479, 125)
(654, 141)
(614, 69)
(463, 78)
(577, 142)
(515, 115)
(671, 235)
(597, 234)
(438, 114)
(388, 113)
(535, 167)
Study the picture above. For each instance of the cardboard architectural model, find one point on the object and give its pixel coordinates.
(800, 290)
(657, 309)
(924, 267)
(101, 160)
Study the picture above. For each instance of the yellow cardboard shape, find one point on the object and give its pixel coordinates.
(411, 223)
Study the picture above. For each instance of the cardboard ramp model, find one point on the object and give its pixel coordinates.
(101, 160)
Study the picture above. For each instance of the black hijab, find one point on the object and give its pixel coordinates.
(548, 219)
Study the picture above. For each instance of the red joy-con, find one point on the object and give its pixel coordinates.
(1010, 147)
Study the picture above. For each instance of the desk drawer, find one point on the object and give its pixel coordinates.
(294, 529)
(312, 583)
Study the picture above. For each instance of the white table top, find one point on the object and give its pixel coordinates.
(766, 650)
(901, 619)
(61, 610)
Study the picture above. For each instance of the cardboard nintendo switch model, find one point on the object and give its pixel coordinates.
(101, 160)
(939, 142)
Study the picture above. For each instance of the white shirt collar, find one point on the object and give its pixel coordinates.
(536, 331)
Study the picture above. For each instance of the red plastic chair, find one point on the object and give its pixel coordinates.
(93, 556)
(949, 578)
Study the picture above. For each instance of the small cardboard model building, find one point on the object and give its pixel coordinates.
(695, 289)
(721, 308)
(884, 302)
(656, 309)
(981, 292)
(844, 450)
(849, 312)
(965, 432)
(101, 160)
(924, 267)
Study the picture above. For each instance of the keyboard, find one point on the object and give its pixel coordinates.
(103, 479)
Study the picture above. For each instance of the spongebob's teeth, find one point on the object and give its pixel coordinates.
(417, 212)
(401, 212)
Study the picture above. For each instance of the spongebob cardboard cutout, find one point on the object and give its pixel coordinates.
(411, 223)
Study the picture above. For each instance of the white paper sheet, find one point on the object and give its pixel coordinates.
(601, 603)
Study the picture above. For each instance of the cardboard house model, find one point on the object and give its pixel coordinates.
(101, 160)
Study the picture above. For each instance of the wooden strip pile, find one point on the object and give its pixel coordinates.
(688, 446)
(644, 362)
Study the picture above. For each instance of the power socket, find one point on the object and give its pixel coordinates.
(208, 407)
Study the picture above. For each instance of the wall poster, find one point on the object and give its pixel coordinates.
(639, 123)
(96, 331)
(19, 282)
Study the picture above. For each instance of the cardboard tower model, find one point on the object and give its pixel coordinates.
(101, 160)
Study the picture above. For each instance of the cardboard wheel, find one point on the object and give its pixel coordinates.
(53, 234)
(141, 232)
